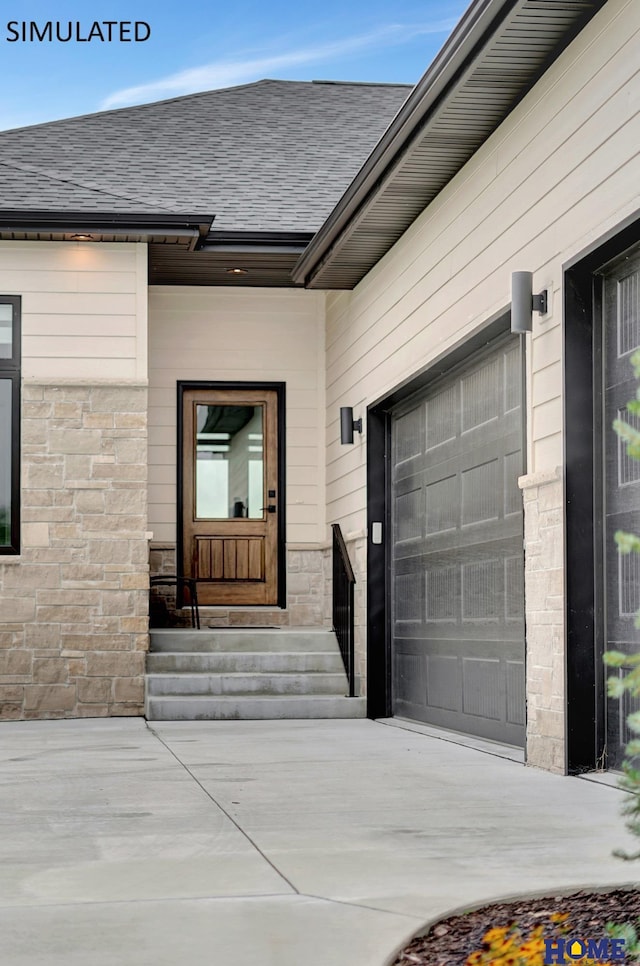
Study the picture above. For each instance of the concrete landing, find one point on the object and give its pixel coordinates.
(271, 843)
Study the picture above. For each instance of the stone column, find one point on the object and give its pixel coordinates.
(74, 605)
(544, 614)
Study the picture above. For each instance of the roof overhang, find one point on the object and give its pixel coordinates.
(183, 249)
(492, 59)
(239, 259)
(183, 231)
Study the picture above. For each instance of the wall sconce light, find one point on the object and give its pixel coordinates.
(348, 424)
(524, 303)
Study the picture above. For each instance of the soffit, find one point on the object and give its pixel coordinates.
(439, 129)
(265, 268)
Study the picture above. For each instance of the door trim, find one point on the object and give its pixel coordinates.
(379, 698)
(280, 389)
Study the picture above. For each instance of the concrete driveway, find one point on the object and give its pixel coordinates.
(271, 843)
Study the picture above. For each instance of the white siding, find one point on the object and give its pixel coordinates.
(83, 308)
(560, 172)
(245, 335)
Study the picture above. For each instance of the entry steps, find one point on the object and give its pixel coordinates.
(242, 674)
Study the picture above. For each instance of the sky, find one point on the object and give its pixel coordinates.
(209, 44)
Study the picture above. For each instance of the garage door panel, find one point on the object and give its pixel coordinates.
(515, 692)
(482, 395)
(442, 592)
(511, 492)
(444, 680)
(484, 688)
(458, 622)
(409, 671)
(467, 501)
(409, 516)
(484, 692)
(473, 542)
(470, 453)
(482, 497)
(442, 414)
(409, 599)
(409, 438)
(442, 505)
(482, 591)
(417, 452)
(514, 588)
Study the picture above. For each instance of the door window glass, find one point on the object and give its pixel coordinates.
(229, 462)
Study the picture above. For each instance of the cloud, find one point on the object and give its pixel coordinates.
(227, 73)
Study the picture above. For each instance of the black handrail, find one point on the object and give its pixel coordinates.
(343, 611)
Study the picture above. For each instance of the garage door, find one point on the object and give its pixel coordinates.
(457, 558)
(622, 484)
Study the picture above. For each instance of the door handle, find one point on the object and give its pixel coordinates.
(270, 509)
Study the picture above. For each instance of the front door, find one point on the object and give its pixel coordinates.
(230, 494)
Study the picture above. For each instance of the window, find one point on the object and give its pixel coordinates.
(9, 424)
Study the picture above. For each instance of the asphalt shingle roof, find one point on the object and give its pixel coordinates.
(269, 156)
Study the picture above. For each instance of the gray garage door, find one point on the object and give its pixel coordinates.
(622, 483)
(458, 609)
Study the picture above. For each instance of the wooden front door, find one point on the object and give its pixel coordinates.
(230, 494)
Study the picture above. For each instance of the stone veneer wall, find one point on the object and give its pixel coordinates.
(544, 611)
(306, 594)
(73, 606)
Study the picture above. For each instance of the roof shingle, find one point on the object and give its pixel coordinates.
(269, 156)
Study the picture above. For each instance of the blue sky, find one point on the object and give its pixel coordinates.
(209, 44)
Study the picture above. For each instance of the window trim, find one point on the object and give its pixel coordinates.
(10, 372)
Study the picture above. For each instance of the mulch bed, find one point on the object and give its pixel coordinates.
(450, 941)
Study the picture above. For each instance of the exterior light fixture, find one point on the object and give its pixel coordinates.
(237, 271)
(82, 236)
(524, 303)
(348, 424)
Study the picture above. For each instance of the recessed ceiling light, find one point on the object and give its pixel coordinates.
(81, 236)
(237, 271)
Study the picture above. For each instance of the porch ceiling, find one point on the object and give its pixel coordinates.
(493, 58)
(259, 259)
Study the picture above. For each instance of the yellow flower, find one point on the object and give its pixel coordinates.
(496, 933)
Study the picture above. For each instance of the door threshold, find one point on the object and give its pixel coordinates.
(485, 745)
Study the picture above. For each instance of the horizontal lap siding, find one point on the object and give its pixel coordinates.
(560, 172)
(83, 308)
(221, 334)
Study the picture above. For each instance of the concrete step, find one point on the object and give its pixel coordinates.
(239, 683)
(249, 707)
(247, 673)
(246, 639)
(258, 662)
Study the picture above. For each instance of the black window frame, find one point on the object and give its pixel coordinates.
(10, 372)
